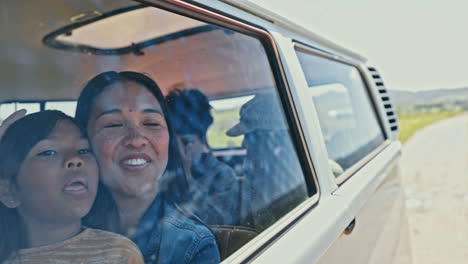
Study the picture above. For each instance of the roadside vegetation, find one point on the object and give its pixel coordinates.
(223, 120)
(410, 123)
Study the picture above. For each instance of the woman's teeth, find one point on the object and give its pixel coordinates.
(135, 162)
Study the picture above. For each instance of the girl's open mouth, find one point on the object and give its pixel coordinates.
(76, 186)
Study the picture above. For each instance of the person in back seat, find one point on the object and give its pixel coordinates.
(213, 184)
(273, 175)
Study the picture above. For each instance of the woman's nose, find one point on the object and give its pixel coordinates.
(135, 139)
(74, 163)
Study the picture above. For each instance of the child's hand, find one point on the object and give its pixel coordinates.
(10, 120)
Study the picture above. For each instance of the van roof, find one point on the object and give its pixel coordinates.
(283, 22)
(57, 74)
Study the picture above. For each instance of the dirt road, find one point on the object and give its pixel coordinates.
(435, 176)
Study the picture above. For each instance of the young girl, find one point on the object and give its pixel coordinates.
(48, 182)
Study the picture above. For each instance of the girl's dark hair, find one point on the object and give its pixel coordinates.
(174, 182)
(15, 145)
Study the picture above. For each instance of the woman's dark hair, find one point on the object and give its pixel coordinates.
(174, 182)
(190, 112)
(15, 145)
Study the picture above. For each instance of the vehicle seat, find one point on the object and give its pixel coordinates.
(231, 238)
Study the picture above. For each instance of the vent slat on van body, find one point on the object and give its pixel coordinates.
(386, 100)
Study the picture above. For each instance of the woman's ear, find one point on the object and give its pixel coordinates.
(7, 195)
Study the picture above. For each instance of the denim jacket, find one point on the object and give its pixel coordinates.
(166, 236)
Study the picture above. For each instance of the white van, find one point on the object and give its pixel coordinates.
(337, 127)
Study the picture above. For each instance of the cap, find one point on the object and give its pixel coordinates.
(261, 112)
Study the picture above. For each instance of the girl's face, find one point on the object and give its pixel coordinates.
(57, 181)
(129, 135)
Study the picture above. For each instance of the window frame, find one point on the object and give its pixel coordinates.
(348, 173)
(198, 11)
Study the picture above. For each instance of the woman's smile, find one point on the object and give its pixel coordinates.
(135, 162)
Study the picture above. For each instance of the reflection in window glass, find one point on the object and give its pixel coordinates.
(347, 119)
(339, 114)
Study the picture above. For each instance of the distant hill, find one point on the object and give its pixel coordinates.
(447, 99)
(431, 96)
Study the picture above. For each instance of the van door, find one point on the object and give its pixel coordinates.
(360, 217)
(364, 166)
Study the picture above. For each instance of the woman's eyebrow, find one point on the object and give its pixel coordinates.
(152, 110)
(107, 112)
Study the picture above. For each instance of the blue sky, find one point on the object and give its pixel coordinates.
(416, 44)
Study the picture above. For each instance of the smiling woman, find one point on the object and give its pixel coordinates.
(129, 134)
(129, 128)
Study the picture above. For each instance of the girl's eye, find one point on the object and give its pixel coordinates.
(85, 151)
(47, 153)
(113, 125)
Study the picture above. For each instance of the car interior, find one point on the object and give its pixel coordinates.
(52, 52)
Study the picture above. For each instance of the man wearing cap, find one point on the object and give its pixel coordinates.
(274, 180)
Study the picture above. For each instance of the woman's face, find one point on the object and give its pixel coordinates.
(129, 135)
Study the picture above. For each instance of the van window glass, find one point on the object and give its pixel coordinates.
(8, 108)
(347, 119)
(68, 107)
(237, 154)
(225, 112)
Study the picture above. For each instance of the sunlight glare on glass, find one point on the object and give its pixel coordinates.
(231, 103)
(68, 107)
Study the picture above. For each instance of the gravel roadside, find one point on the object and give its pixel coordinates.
(435, 178)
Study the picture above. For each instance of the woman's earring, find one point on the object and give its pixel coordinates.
(7, 196)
